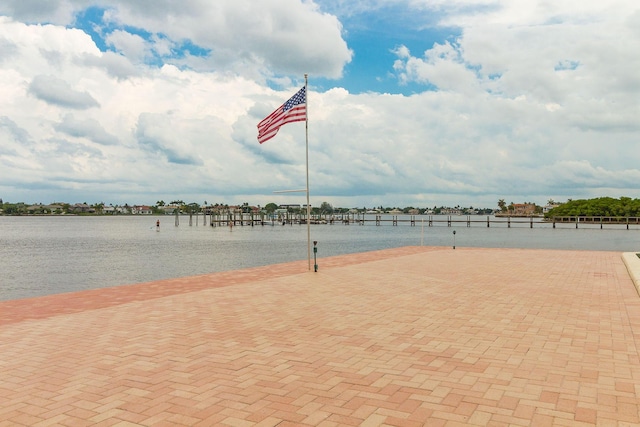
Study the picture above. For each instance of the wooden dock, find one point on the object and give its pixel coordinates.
(231, 220)
(508, 221)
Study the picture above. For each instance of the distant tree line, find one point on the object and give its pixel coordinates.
(601, 206)
(325, 208)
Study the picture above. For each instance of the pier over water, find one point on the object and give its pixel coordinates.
(424, 220)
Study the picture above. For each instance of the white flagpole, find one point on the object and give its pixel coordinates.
(306, 125)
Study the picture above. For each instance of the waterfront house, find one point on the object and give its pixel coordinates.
(547, 208)
(82, 208)
(141, 210)
(524, 209)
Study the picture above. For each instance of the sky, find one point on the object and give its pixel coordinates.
(417, 103)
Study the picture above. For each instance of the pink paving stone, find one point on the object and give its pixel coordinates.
(406, 336)
(586, 415)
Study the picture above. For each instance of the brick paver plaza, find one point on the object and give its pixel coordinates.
(402, 337)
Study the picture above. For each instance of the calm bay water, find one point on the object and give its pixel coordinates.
(50, 255)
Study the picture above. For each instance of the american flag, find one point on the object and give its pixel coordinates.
(294, 110)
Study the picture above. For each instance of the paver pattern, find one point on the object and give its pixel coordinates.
(403, 337)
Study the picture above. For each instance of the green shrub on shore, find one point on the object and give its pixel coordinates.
(601, 206)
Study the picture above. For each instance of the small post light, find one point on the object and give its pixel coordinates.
(454, 239)
(315, 251)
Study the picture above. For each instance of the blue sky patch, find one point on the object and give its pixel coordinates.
(567, 65)
(91, 21)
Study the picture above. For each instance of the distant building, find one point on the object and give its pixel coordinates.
(44, 209)
(82, 208)
(450, 211)
(290, 206)
(524, 209)
(170, 209)
(547, 208)
(141, 210)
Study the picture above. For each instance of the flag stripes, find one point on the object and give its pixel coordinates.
(294, 110)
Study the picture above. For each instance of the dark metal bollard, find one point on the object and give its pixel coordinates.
(315, 252)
